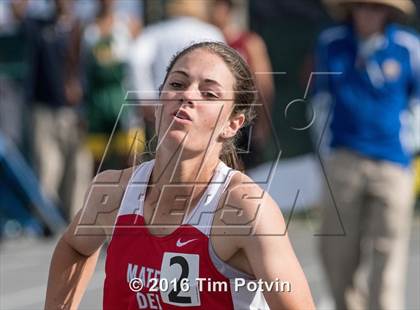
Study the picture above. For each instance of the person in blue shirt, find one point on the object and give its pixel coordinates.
(369, 68)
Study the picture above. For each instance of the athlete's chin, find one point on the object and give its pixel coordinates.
(174, 139)
(177, 136)
(177, 140)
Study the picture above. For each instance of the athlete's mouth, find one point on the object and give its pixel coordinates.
(181, 114)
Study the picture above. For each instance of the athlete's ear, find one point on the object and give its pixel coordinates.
(233, 125)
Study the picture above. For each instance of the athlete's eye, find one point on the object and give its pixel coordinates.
(175, 85)
(210, 95)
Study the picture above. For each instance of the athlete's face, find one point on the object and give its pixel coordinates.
(196, 104)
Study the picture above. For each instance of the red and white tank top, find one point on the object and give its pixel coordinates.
(177, 271)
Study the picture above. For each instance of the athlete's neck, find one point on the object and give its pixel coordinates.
(194, 170)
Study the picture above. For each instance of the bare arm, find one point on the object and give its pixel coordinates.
(268, 249)
(69, 276)
(76, 254)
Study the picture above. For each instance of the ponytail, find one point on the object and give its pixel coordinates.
(230, 156)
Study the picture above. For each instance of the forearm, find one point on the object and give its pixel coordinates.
(69, 275)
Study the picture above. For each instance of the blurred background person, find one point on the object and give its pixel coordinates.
(374, 67)
(252, 48)
(20, 193)
(186, 23)
(55, 94)
(11, 76)
(107, 42)
(13, 70)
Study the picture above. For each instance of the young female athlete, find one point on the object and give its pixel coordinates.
(187, 230)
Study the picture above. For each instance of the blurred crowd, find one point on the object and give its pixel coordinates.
(73, 74)
(63, 84)
(78, 81)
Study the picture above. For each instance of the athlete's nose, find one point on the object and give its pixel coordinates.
(189, 96)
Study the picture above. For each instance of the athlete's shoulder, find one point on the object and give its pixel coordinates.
(114, 176)
(104, 196)
(240, 183)
(244, 194)
(248, 211)
(111, 178)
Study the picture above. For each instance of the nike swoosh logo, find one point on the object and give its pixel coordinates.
(180, 244)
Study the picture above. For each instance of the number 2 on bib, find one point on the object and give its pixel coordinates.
(181, 271)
